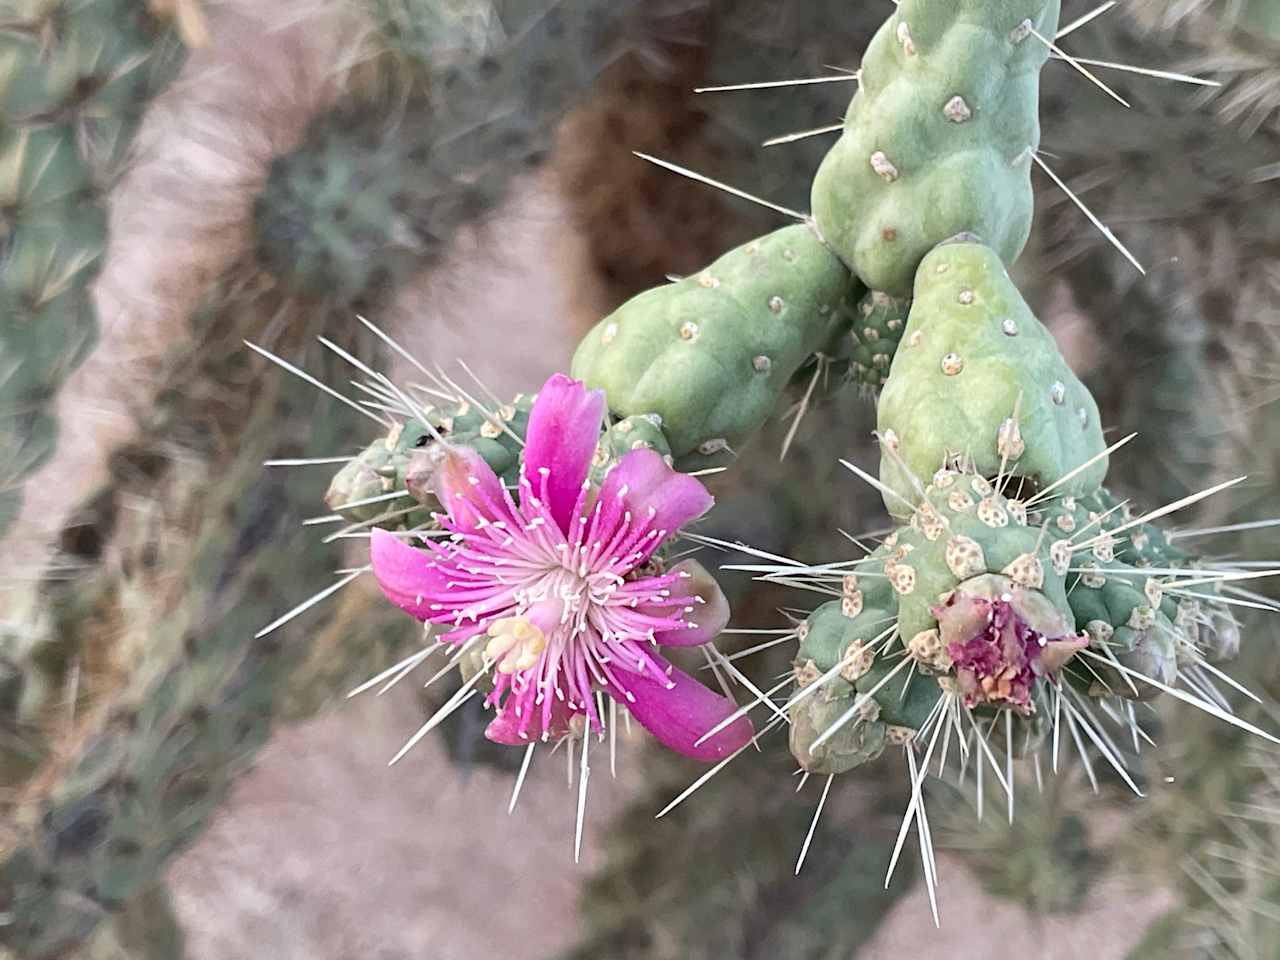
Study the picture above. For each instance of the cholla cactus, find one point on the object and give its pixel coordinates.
(384, 183)
(963, 608)
(983, 596)
(711, 354)
(927, 155)
(1014, 603)
(76, 77)
(977, 374)
(875, 330)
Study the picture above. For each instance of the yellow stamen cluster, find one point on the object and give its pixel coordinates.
(515, 644)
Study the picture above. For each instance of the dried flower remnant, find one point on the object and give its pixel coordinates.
(1002, 641)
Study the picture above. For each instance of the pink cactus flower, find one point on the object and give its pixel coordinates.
(557, 589)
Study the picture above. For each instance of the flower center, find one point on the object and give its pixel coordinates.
(515, 644)
(557, 600)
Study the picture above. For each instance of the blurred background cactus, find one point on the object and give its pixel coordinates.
(75, 80)
(134, 695)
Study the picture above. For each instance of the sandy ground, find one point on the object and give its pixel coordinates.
(325, 852)
(976, 926)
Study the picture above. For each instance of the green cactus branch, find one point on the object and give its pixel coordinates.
(141, 786)
(76, 77)
(711, 354)
(379, 192)
(930, 153)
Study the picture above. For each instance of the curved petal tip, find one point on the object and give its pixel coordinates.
(403, 572)
(679, 714)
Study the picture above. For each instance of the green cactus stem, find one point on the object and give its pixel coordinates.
(844, 633)
(406, 458)
(939, 138)
(142, 785)
(403, 460)
(1129, 620)
(979, 380)
(1204, 625)
(76, 77)
(967, 601)
(711, 354)
(875, 331)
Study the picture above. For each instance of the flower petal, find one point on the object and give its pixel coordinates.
(1055, 654)
(679, 715)
(564, 428)
(659, 498)
(468, 489)
(710, 613)
(505, 727)
(405, 574)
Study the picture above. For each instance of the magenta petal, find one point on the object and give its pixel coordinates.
(564, 428)
(468, 489)
(650, 485)
(404, 573)
(680, 715)
(505, 727)
(709, 616)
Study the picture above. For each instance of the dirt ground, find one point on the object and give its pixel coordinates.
(325, 853)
